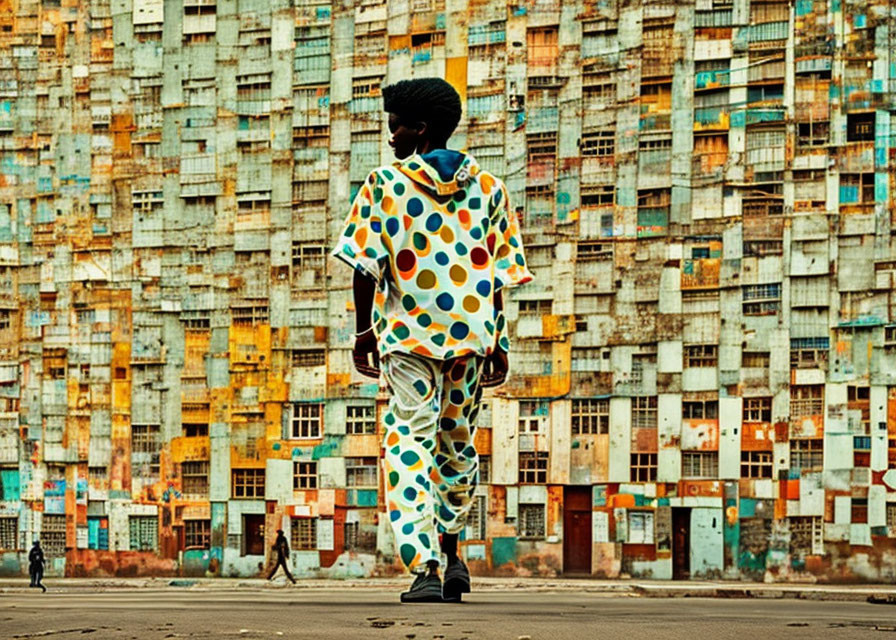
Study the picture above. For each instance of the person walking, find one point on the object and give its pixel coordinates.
(36, 564)
(281, 547)
(433, 242)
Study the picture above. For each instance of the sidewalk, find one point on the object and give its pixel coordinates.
(878, 593)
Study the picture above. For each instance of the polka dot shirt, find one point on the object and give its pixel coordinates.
(436, 234)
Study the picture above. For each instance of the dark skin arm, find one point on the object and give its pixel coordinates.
(494, 370)
(364, 289)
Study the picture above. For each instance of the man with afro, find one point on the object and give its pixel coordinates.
(433, 241)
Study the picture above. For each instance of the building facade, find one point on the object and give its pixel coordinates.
(703, 374)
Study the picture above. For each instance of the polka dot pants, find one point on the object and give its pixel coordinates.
(431, 463)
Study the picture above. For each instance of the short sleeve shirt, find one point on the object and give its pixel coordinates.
(438, 251)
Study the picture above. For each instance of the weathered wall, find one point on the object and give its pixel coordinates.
(702, 375)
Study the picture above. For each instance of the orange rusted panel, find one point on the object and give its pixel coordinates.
(757, 436)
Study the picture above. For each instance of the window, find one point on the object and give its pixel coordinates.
(145, 449)
(535, 307)
(485, 469)
(308, 256)
(891, 517)
(309, 357)
(360, 535)
(144, 533)
(809, 353)
(360, 472)
(590, 415)
(701, 355)
(602, 195)
(762, 299)
(303, 534)
(9, 533)
(304, 475)
(195, 430)
(860, 127)
(755, 464)
(250, 315)
(643, 467)
(52, 535)
(699, 464)
(360, 420)
(758, 409)
(601, 144)
(644, 412)
(532, 416)
(197, 534)
(755, 359)
(531, 521)
(542, 47)
(640, 363)
(248, 483)
(477, 518)
(806, 400)
(194, 477)
(640, 527)
(813, 134)
(533, 467)
(306, 420)
(806, 453)
(805, 535)
(700, 410)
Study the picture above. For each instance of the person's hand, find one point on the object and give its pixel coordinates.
(365, 347)
(494, 370)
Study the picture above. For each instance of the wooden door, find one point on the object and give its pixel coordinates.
(577, 530)
(681, 543)
(253, 532)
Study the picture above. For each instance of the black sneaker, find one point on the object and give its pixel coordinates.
(427, 587)
(457, 581)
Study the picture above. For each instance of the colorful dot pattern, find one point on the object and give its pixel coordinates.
(431, 463)
(438, 250)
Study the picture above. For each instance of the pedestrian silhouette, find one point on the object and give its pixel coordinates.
(281, 546)
(36, 565)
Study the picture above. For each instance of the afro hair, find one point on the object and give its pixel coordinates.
(431, 100)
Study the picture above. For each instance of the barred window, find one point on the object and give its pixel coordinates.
(303, 534)
(644, 412)
(700, 409)
(755, 464)
(806, 400)
(52, 535)
(144, 533)
(360, 420)
(304, 475)
(590, 415)
(809, 353)
(309, 357)
(9, 533)
(601, 144)
(308, 256)
(307, 419)
(643, 467)
(248, 483)
(360, 472)
(533, 467)
(806, 453)
(701, 355)
(805, 535)
(758, 409)
(197, 534)
(146, 445)
(699, 464)
(485, 469)
(194, 477)
(761, 299)
(476, 521)
(531, 521)
(535, 307)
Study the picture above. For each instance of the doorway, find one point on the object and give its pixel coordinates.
(253, 534)
(681, 543)
(577, 530)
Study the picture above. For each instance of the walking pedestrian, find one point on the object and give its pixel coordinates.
(281, 547)
(433, 242)
(36, 564)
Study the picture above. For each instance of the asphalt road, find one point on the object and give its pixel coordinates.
(375, 613)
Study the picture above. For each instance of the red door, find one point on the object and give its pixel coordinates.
(577, 530)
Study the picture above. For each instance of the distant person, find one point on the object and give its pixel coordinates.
(36, 566)
(281, 547)
(433, 242)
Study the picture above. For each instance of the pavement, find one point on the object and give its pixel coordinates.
(874, 593)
